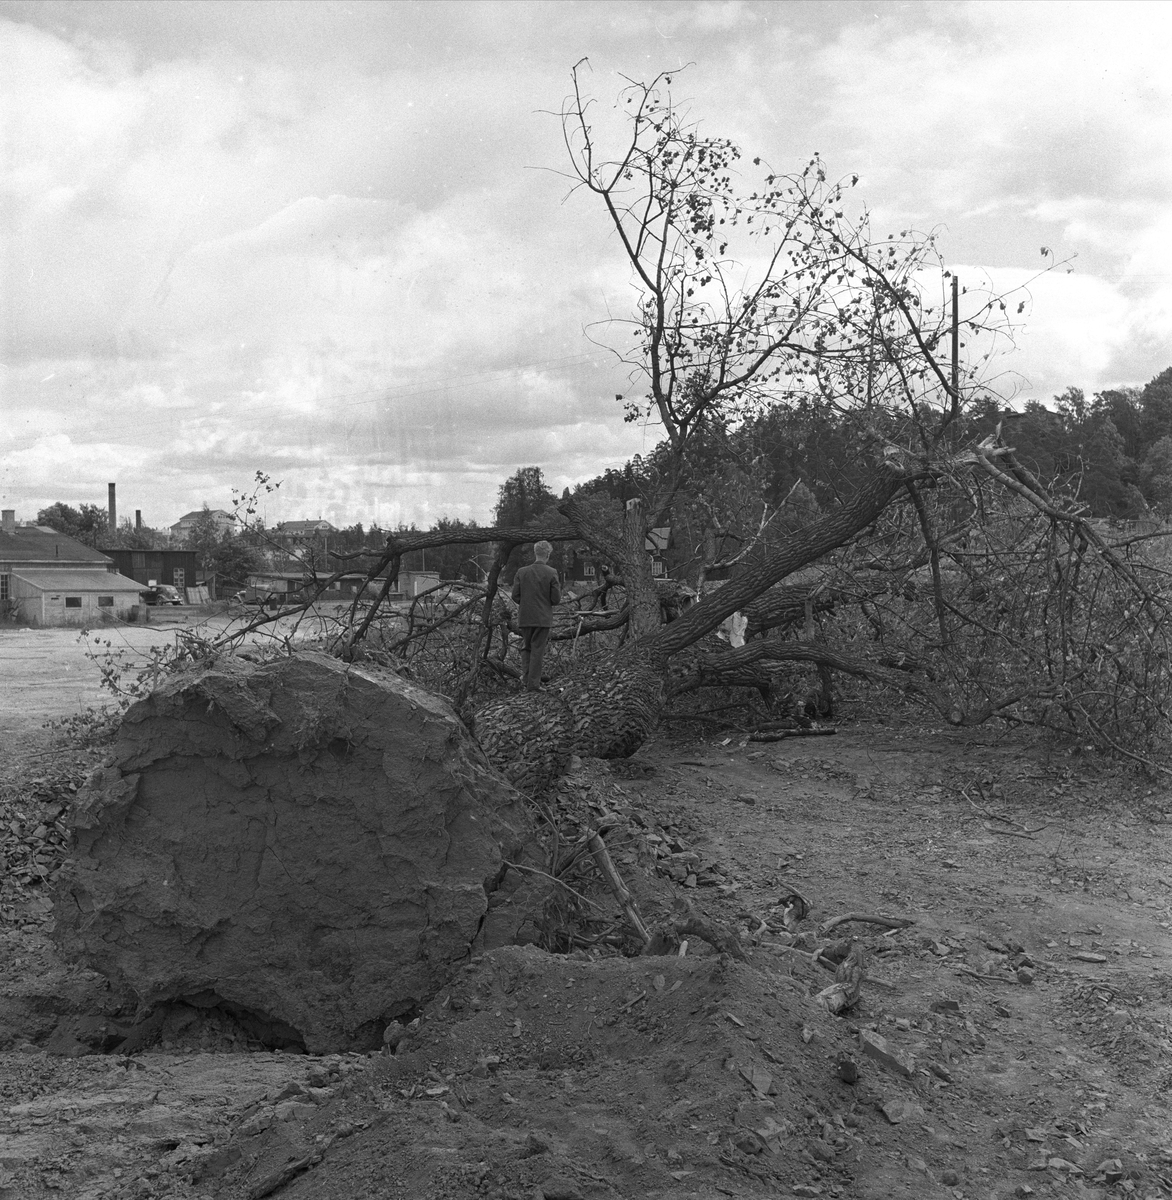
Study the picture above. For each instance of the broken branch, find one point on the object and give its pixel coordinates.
(609, 872)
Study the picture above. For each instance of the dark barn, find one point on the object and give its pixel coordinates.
(176, 567)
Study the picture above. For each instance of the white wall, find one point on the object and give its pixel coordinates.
(49, 608)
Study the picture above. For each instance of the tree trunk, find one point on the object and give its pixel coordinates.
(610, 711)
(607, 712)
(642, 594)
(803, 547)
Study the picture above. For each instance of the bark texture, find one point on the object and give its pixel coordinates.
(607, 713)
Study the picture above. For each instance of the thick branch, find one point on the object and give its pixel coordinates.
(804, 546)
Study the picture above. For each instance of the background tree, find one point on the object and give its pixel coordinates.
(524, 499)
(137, 537)
(231, 560)
(225, 559)
(89, 523)
(204, 538)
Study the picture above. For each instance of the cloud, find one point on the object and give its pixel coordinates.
(334, 246)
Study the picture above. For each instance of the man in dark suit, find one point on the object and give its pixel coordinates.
(536, 590)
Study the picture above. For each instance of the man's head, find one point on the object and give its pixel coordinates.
(542, 551)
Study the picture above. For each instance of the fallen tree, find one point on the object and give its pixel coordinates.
(780, 296)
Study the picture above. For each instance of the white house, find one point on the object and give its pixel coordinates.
(225, 522)
(47, 578)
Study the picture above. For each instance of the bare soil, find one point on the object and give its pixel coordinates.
(1026, 1014)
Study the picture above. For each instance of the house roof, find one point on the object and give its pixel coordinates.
(65, 580)
(34, 544)
(212, 512)
(305, 527)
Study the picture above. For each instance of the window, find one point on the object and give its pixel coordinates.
(179, 576)
(73, 602)
(105, 601)
(658, 568)
(587, 570)
(5, 594)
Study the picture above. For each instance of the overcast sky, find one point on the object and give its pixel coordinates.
(324, 240)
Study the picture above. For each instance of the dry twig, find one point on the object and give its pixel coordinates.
(866, 919)
(1022, 833)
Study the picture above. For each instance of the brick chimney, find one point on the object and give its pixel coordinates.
(113, 511)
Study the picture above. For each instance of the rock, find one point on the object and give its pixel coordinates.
(277, 1177)
(299, 1109)
(950, 1178)
(747, 1142)
(393, 1035)
(311, 843)
(1110, 1170)
(881, 1051)
(216, 1164)
(760, 1080)
(536, 1144)
(898, 1111)
(848, 1069)
(1063, 1164)
(560, 1189)
(1088, 957)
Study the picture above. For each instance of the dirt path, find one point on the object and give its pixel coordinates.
(52, 674)
(1026, 1015)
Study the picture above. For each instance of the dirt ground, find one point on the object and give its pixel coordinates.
(50, 674)
(1015, 1040)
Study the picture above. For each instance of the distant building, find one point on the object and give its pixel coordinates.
(657, 543)
(295, 586)
(584, 567)
(225, 522)
(303, 530)
(47, 578)
(414, 583)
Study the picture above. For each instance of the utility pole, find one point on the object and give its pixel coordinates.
(956, 339)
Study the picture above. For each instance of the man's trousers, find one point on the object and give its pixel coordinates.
(534, 639)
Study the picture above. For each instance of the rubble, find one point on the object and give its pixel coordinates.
(300, 842)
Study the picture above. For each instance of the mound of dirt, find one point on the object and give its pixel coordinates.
(561, 1077)
(306, 842)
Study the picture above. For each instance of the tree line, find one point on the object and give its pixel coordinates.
(1112, 455)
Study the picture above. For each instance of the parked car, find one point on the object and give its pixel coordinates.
(259, 598)
(161, 593)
